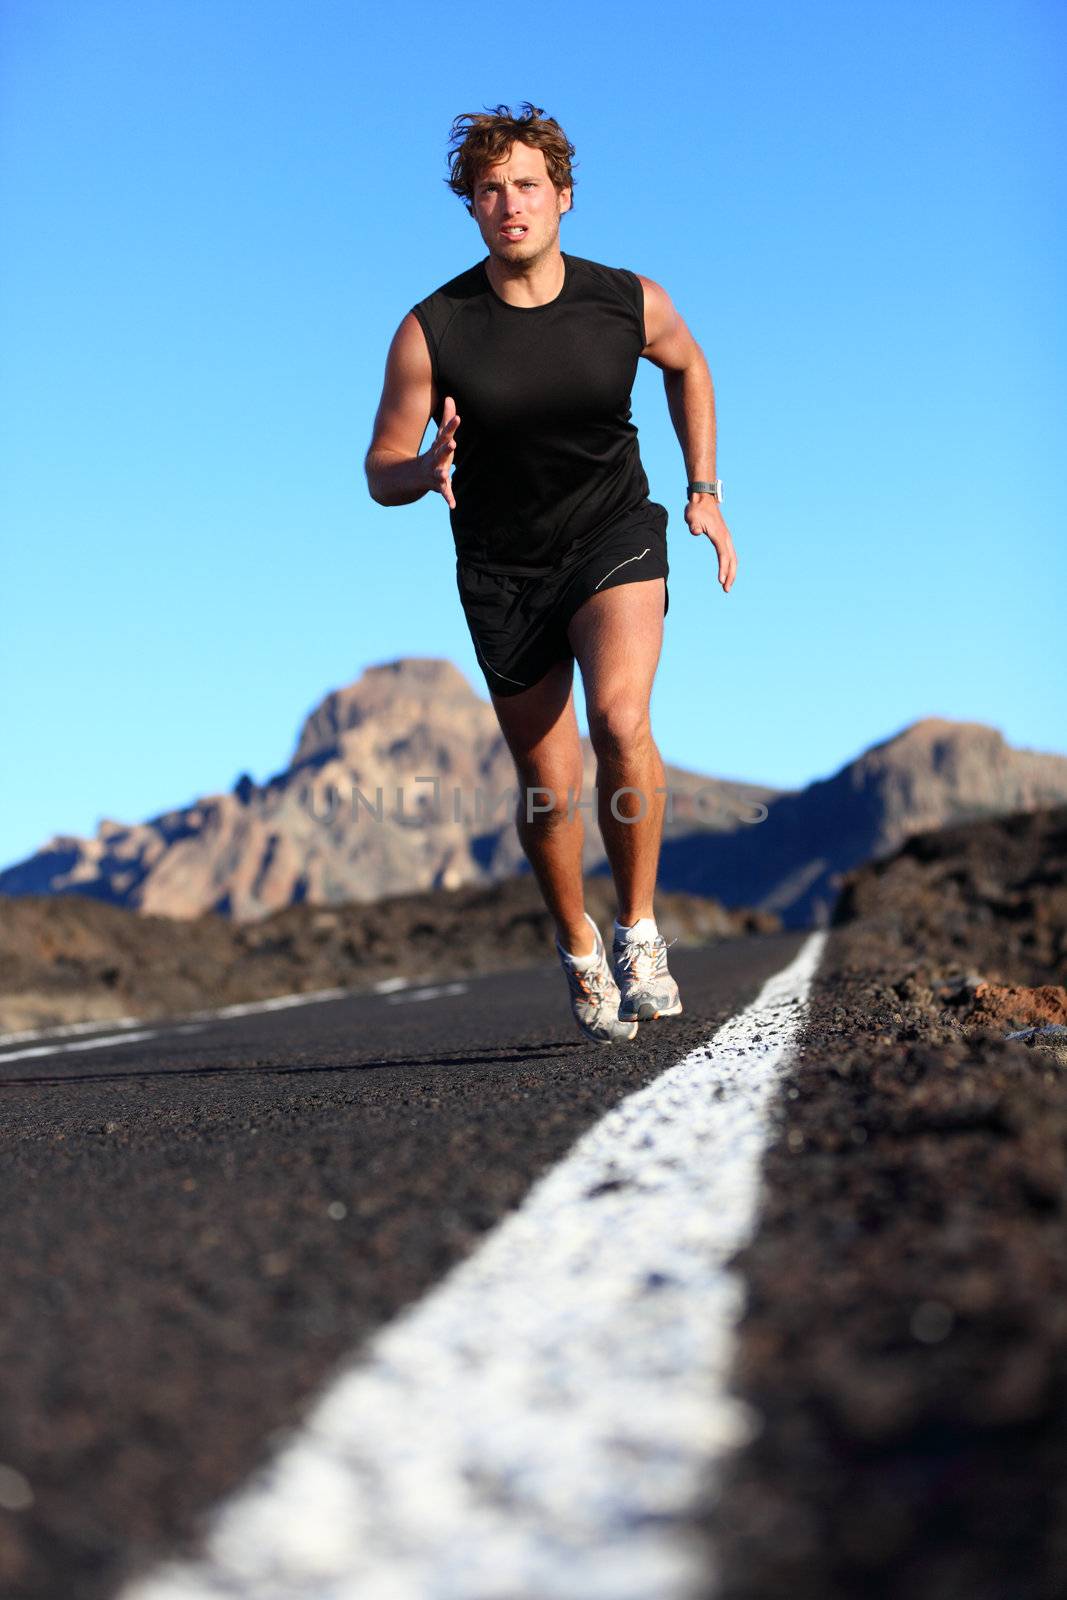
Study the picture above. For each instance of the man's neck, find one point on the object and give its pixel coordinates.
(528, 283)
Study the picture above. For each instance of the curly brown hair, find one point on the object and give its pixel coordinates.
(480, 140)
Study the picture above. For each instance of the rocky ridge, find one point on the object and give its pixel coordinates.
(367, 807)
(401, 782)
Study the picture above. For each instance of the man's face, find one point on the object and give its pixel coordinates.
(518, 194)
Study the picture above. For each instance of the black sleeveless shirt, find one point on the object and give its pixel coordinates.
(546, 457)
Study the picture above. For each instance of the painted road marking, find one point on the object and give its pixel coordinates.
(543, 1424)
(61, 1030)
(78, 1044)
(430, 993)
(99, 1041)
(195, 1021)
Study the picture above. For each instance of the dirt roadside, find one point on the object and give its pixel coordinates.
(905, 1339)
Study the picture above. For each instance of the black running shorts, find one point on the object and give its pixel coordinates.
(518, 621)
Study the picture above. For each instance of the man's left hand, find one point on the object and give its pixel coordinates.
(703, 514)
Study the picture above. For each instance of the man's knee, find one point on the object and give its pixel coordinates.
(619, 728)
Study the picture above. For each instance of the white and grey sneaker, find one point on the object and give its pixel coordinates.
(594, 994)
(639, 963)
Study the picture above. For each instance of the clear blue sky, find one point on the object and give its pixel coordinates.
(217, 213)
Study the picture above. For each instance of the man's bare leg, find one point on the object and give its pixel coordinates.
(617, 637)
(541, 730)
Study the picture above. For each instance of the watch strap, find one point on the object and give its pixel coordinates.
(706, 488)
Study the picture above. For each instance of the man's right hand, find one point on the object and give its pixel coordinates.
(438, 458)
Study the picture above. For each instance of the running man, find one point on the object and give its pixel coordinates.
(526, 363)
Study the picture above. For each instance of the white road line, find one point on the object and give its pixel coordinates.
(60, 1030)
(430, 993)
(189, 1023)
(542, 1424)
(77, 1044)
(278, 1002)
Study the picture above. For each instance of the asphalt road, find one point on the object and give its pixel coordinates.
(198, 1227)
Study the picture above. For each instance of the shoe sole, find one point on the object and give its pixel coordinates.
(646, 1014)
(594, 1038)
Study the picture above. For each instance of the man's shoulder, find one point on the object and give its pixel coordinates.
(604, 278)
(599, 268)
(464, 286)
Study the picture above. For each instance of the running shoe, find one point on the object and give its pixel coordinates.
(595, 996)
(646, 988)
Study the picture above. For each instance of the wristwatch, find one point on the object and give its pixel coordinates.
(706, 488)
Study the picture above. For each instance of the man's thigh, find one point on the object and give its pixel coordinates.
(617, 637)
(540, 728)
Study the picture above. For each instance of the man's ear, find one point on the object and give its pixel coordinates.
(564, 200)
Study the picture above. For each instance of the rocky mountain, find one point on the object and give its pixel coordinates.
(932, 773)
(399, 782)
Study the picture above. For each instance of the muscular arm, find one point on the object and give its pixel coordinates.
(397, 474)
(670, 346)
(686, 381)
